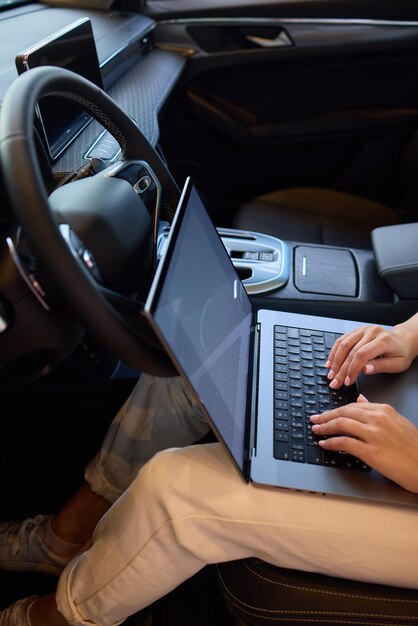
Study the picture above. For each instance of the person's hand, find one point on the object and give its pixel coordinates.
(372, 350)
(376, 434)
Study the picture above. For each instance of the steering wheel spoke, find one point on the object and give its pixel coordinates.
(83, 256)
(145, 183)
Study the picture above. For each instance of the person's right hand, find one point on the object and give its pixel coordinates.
(372, 350)
(376, 434)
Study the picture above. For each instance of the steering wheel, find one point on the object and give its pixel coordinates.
(92, 239)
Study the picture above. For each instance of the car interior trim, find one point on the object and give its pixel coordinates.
(277, 21)
(141, 92)
(155, 211)
(31, 281)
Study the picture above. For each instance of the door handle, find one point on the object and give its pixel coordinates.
(282, 39)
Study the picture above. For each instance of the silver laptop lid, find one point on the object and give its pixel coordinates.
(203, 316)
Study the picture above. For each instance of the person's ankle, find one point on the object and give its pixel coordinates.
(28, 612)
(58, 543)
(43, 612)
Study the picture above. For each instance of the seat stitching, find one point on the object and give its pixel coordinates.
(325, 592)
(242, 604)
(313, 620)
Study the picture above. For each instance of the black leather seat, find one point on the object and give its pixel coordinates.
(314, 215)
(258, 594)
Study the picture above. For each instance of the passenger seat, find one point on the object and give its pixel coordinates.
(315, 215)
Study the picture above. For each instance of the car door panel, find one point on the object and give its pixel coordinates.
(302, 100)
(371, 9)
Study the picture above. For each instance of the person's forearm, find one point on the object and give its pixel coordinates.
(410, 330)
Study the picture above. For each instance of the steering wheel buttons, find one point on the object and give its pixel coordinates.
(143, 184)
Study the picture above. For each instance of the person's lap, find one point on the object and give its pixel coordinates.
(189, 507)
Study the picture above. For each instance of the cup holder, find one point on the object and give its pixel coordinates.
(262, 262)
(244, 273)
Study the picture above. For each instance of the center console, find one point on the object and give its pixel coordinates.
(334, 282)
(325, 280)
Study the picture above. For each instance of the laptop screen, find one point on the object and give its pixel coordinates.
(203, 315)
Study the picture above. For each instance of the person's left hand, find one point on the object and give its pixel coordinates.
(373, 350)
(376, 434)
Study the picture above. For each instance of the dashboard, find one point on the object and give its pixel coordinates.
(138, 76)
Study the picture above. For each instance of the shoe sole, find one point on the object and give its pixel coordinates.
(44, 568)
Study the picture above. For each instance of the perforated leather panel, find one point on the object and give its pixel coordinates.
(141, 93)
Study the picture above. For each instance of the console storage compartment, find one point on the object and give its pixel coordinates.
(322, 270)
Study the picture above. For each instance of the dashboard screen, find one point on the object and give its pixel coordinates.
(73, 48)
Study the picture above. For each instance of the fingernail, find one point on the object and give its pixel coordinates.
(334, 384)
(321, 442)
(314, 418)
(368, 369)
(328, 363)
(316, 427)
(347, 381)
(330, 374)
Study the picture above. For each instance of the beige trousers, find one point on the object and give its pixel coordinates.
(189, 507)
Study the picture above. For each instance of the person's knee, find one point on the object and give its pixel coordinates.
(161, 477)
(174, 480)
(184, 495)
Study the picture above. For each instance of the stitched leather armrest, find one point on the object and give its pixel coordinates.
(396, 255)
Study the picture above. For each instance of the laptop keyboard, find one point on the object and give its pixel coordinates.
(301, 389)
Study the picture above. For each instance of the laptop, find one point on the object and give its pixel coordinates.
(233, 359)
